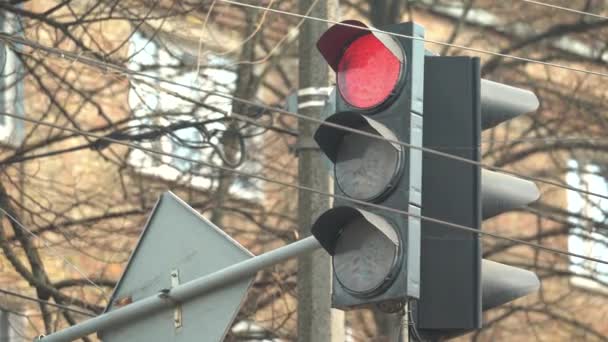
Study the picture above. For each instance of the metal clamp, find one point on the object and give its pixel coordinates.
(304, 144)
(177, 313)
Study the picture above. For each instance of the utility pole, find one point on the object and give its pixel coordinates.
(317, 322)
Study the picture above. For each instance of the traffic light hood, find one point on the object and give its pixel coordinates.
(329, 137)
(329, 225)
(502, 283)
(502, 192)
(502, 102)
(333, 42)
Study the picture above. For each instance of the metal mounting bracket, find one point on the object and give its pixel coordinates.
(177, 314)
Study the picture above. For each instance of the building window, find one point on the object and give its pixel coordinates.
(169, 107)
(585, 237)
(11, 85)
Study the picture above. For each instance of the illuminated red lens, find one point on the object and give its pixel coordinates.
(368, 72)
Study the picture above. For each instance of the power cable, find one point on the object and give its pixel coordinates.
(398, 142)
(567, 9)
(405, 144)
(546, 140)
(46, 244)
(432, 41)
(59, 306)
(127, 72)
(305, 188)
(413, 329)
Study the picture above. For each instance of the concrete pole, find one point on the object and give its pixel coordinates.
(317, 322)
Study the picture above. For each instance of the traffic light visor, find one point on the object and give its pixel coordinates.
(365, 167)
(365, 256)
(332, 223)
(368, 65)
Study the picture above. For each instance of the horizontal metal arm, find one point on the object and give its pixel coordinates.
(183, 293)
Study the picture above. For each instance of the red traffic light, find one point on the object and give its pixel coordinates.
(368, 65)
(368, 72)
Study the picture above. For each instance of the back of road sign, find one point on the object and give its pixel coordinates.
(177, 240)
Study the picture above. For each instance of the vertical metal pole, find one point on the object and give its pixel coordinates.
(4, 327)
(317, 322)
(405, 325)
(396, 326)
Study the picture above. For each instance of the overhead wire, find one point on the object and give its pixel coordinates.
(125, 71)
(310, 189)
(38, 300)
(546, 140)
(426, 40)
(375, 136)
(370, 135)
(408, 145)
(46, 244)
(567, 9)
(290, 33)
(128, 72)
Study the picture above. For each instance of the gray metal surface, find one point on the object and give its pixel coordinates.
(501, 283)
(501, 102)
(456, 283)
(501, 192)
(450, 258)
(5, 325)
(177, 237)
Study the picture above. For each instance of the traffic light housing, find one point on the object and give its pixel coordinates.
(457, 285)
(380, 78)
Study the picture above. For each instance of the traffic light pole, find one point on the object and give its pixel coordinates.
(317, 322)
(399, 326)
(182, 293)
(404, 326)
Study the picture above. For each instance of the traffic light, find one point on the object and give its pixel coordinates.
(380, 78)
(456, 284)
